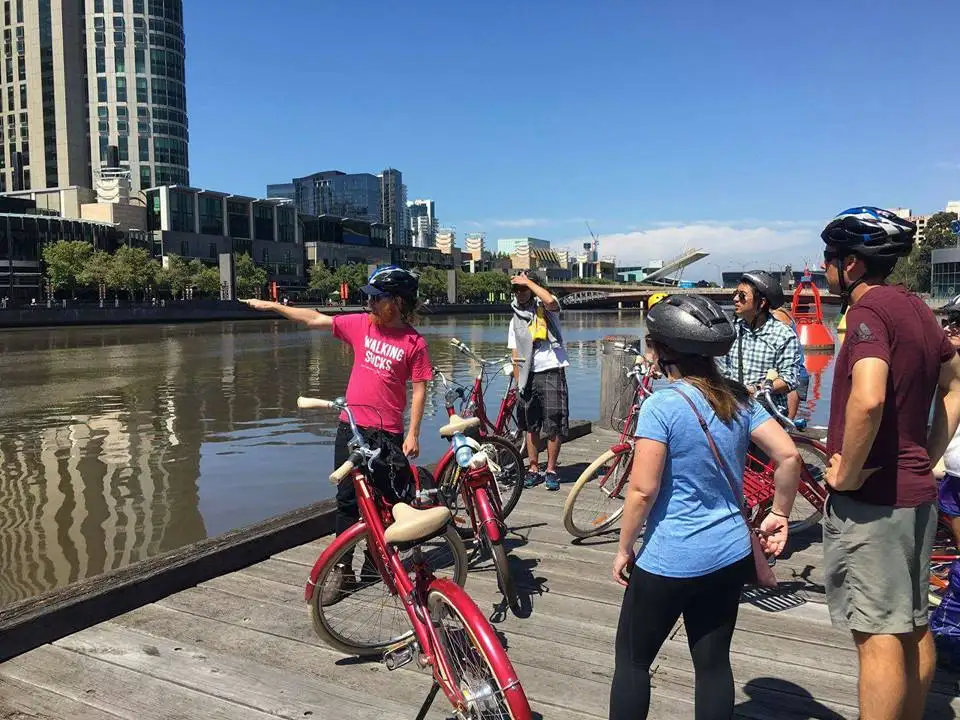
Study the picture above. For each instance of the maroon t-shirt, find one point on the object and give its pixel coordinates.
(896, 326)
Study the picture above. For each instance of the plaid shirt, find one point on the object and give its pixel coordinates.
(772, 346)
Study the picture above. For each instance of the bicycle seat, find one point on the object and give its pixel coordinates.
(411, 525)
(458, 424)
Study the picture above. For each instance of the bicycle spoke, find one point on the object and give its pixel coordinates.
(471, 672)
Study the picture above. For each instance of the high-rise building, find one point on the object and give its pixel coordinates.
(423, 223)
(393, 206)
(333, 192)
(474, 245)
(509, 246)
(82, 76)
(919, 220)
(446, 240)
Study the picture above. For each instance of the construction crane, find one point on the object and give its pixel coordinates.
(596, 243)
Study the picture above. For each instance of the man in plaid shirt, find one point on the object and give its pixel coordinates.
(762, 343)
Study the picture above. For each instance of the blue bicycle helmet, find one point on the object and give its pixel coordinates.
(392, 280)
(870, 232)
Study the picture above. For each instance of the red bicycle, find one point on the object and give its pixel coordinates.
(472, 404)
(502, 449)
(444, 628)
(472, 494)
(595, 501)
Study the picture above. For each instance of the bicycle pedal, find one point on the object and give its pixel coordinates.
(399, 657)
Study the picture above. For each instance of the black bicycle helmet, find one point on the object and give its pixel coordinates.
(766, 287)
(690, 325)
(870, 232)
(952, 307)
(392, 280)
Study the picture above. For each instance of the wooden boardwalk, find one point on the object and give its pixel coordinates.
(241, 646)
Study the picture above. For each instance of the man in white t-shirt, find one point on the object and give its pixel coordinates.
(543, 409)
(948, 469)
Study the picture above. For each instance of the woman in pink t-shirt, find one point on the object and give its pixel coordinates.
(387, 353)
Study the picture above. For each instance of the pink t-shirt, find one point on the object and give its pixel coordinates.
(384, 360)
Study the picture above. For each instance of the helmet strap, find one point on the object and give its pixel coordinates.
(845, 289)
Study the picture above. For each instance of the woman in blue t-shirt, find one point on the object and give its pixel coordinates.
(696, 555)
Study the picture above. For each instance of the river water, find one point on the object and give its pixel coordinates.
(118, 443)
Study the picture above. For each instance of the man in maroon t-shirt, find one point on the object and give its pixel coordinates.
(881, 515)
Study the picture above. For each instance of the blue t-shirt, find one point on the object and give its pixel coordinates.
(695, 525)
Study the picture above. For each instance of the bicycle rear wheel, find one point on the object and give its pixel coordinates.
(481, 671)
(595, 502)
(808, 507)
(367, 618)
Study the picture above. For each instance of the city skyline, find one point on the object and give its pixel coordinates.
(600, 114)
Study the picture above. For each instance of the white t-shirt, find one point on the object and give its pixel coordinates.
(951, 457)
(545, 355)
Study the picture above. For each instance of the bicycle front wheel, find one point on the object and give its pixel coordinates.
(509, 479)
(595, 502)
(356, 613)
(501, 564)
(482, 677)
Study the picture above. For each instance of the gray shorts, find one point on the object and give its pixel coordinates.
(877, 565)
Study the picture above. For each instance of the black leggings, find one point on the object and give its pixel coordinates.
(651, 606)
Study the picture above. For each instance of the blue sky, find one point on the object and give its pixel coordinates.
(737, 127)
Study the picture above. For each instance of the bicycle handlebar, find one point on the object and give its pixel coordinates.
(306, 403)
(360, 452)
(465, 349)
(766, 396)
(341, 472)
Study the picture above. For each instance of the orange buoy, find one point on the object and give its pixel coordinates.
(808, 314)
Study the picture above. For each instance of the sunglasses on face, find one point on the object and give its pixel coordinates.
(740, 296)
(951, 326)
(830, 254)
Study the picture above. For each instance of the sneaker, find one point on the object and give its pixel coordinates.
(335, 589)
(532, 478)
(552, 481)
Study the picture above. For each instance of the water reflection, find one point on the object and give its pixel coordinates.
(117, 443)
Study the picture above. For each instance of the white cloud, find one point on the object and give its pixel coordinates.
(948, 165)
(520, 222)
(731, 244)
(527, 223)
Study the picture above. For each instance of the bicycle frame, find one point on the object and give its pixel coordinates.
(413, 593)
(479, 410)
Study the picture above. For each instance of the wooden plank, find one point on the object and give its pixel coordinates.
(53, 615)
(542, 684)
(554, 685)
(118, 690)
(23, 701)
(231, 676)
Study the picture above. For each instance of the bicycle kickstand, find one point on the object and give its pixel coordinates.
(425, 708)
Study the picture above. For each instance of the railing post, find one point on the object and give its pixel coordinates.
(616, 390)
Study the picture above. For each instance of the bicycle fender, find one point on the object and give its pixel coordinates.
(488, 518)
(329, 554)
(487, 641)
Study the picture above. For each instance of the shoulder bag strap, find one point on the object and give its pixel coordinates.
(737, 494)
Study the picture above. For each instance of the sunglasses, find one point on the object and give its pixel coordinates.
(830, 254)
(740, 296)
(951, 326)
